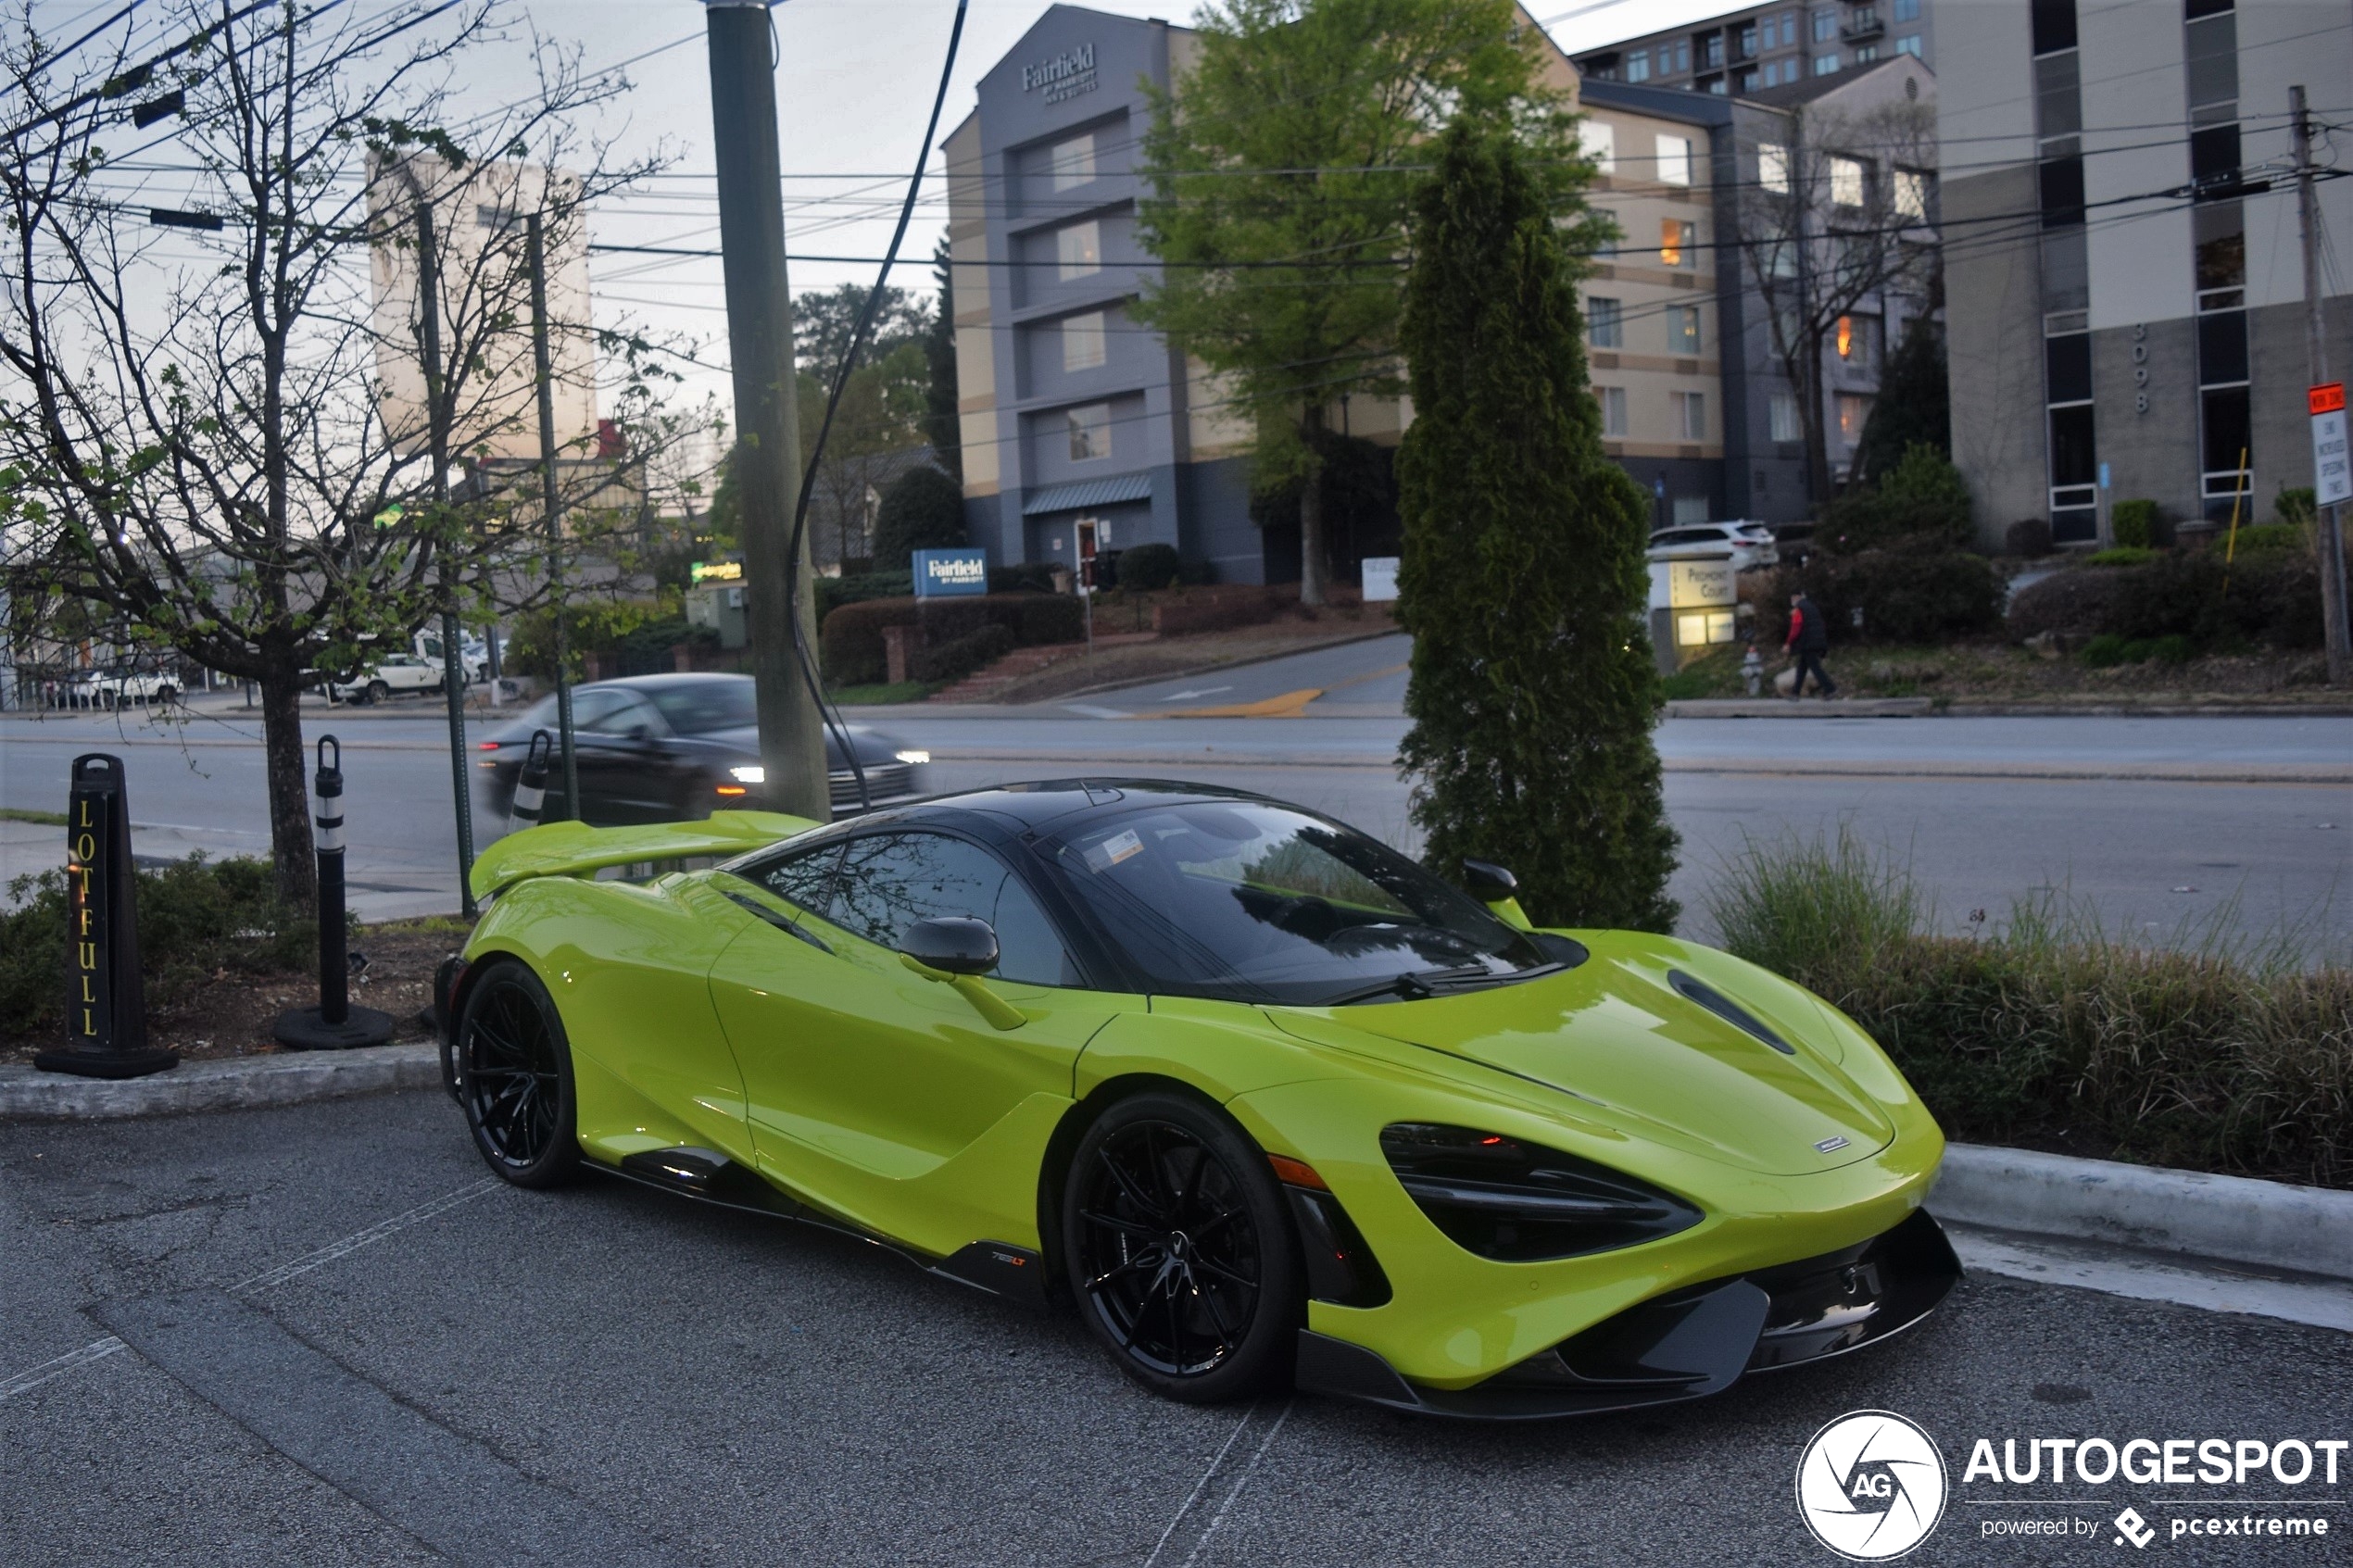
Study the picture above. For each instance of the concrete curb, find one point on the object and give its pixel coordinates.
(241, 1083)
(2232, 1219)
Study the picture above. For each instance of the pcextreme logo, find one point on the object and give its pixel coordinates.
(1871, 1486)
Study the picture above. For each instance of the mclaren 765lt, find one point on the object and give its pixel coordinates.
(1256, 1095)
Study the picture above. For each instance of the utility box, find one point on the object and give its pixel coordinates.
(719, 606)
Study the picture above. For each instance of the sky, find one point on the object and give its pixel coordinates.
(853, 87)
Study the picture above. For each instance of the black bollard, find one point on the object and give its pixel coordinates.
(335, 1023)
(530, 784)
(106, 1000)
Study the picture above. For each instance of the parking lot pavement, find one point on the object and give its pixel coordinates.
(354, 1350)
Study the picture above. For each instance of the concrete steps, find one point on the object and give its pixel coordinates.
(982, 684)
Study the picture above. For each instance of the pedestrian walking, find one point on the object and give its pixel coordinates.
(1809, 637)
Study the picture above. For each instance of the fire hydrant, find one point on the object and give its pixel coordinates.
(1752, 671)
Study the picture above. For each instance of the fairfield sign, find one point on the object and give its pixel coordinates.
(1062, 76)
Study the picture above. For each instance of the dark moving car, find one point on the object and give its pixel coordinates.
(658, 749)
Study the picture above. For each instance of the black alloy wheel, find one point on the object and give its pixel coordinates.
(514, 1078)
(1179, 1249)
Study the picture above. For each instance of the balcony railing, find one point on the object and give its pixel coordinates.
(1862, 25)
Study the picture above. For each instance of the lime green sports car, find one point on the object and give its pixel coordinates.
(1258, 1097)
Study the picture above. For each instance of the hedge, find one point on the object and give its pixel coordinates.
(1906, 595)
(2271, 597)
(850, 640)
(955, 659)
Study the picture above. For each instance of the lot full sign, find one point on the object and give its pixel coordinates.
(106, 1001)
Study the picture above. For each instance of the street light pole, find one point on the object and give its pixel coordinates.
(2338, 634)
(544, 371)
(453, 676)
(780, 598)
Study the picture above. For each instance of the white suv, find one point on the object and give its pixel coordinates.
(1750, 544)
(394, 672)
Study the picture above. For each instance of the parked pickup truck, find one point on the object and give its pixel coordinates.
(393, 673)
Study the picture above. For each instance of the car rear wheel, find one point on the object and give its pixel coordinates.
(1179, 1252)
(514, 1078)
(378, 691)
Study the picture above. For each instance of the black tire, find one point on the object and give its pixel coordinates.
(378, 691)
(1178, 1250)
(514, 1078)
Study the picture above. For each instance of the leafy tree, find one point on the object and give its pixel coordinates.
(1914, 406)
(823, 321)
(1532, 693)
(879, 420)
(1280, 196)
(924, 509)
(204, 429)
(1923, 502)
(942, 426)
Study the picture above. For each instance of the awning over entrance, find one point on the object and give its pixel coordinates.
(1093, 493)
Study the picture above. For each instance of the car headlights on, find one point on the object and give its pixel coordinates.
(750, 775)
(1520, 1202)
(915, 758)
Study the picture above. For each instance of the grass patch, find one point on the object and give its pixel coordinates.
(884, 692)
(197, 919)
(24, 814)
(2215, 1053)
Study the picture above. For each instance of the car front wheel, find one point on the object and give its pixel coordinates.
(378, 691)
(1179, 1252)
(514, 1078)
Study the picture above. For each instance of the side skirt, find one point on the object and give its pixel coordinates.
(706, 1175)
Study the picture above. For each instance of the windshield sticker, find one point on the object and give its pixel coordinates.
(1113, 850)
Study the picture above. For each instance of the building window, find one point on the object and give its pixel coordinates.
(1744, 43)
(1866, 53)
(1674, 160)
(1080, 249)
(1748, 81)
(1713, 84)
(1846, 182)
(2062, 191)
(1772, 75)
(1905, 10)
(1682, 58)
(1825, 26)
(1604, 323)
(1090, 432)
(1772, 167)
(2067, 368)
(1682, 330)
(1613, 401)
(1826, 65)
(1073, 162)
(1788, 29)
(1781, 417)
(1910, 45)
(1911, 194)
(2229, 440)
(1677, 239)
(1691, 416)
(1638, 66)
(1600, 143)
(1711, 51)
(2051, 25)
(1854, 412)
(1083, 341)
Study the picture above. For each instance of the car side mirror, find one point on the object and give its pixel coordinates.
(956, 945)
(1498, 889)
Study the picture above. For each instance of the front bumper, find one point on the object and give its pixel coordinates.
(1684, 1345)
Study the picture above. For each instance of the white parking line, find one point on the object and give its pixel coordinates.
(1248, 1470)
(1210, 1476)
(98, 1349)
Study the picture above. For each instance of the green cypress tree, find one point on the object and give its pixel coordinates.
(1523, 582)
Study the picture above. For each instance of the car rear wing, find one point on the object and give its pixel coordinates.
(577, 849)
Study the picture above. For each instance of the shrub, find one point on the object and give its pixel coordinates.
(923, 509)
(1147, 567)
(834, 592)
(955, 659)
(1906, 595)
(850, 642)
(2172, 649)
(2122, 554)
(2028, 536)
(2272, 599)
(2070, 603)
(634, 630)
(1922, 500)
(2210, 1054)
(1034, 576)
(2107, 650)
(2134, 524)
(196, 917)
(2264, 537)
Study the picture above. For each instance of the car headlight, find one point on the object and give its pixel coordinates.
(1520, 1202)
(915, 758)
(754, 774)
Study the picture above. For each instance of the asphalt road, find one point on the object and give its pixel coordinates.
(1972, 805)
(354, 1350)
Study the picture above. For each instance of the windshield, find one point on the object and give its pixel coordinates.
(1246, 901)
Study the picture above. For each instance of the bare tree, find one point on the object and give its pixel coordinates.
(1837, 216)
(202, 422)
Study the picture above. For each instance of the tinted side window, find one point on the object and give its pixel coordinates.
(805, 880)
(889, 882)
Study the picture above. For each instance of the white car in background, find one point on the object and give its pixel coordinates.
(1750, 543)
(393, 673)
(121, 688)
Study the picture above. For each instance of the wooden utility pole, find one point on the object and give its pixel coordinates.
(544, 372)
(453, 669)
(780, 600)
(2316, 347)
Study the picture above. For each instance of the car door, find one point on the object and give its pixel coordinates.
(622, 775)
(881, 1095)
